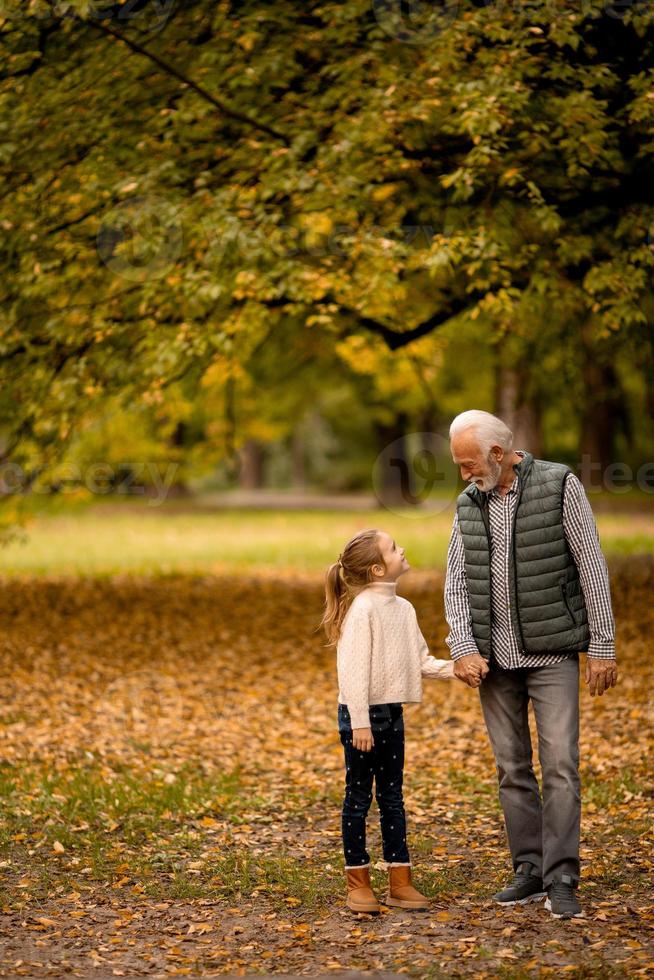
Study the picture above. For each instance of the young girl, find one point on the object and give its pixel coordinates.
(381, 657)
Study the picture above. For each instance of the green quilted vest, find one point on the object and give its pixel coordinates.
(548, 611)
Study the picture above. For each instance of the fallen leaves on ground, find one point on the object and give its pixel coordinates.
(172, 778)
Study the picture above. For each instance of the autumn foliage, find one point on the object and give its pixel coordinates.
(172, 778)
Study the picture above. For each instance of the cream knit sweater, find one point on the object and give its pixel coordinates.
(381, 654)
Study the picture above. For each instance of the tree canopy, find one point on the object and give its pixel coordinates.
(182, 183)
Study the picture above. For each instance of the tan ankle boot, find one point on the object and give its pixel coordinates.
(401, 892)
(360, 896)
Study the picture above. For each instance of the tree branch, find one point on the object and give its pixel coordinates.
(395, 339)
(201, 91)
(74, 221)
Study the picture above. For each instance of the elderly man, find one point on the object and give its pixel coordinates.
(526, 591)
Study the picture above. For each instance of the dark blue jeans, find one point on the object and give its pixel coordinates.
(384, 764)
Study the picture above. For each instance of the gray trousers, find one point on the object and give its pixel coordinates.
(545, 832)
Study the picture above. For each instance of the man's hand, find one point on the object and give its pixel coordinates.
(362, 739)
(471, 669)
(600, 675)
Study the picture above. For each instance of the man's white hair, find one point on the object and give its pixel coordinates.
(488, 429)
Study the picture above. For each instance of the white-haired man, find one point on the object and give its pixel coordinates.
(526, 591)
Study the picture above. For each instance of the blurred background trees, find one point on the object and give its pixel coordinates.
(264, 241)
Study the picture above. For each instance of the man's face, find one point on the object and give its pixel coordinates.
(466, 453)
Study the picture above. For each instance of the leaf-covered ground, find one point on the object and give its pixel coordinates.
(171, 781)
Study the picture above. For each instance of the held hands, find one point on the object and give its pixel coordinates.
(600, 675)
(471, 669)
(362, 739)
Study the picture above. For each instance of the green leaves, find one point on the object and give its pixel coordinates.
(168, 186)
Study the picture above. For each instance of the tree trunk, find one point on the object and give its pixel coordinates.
(603, 415)
(251, 456)
(520, 412)
(298, 462)
(392, 481)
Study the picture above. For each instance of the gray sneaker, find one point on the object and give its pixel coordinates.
(561, 900)
(527, 886)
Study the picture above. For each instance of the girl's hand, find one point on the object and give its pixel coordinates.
(471, 669)
(362, 739)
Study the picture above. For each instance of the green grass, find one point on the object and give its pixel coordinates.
(103, 539)
(465, 784)
(103, 819)
(87, 795)
(119, 826)
(92, 542)
(602, 791)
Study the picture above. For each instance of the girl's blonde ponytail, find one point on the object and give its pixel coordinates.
(347, 577)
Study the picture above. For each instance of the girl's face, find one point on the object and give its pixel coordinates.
(394, 558)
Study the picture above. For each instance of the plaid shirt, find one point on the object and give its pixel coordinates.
(583, 541)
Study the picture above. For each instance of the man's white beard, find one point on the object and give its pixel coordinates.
(490, 481)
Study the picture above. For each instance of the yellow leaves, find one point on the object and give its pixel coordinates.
(248, 41)
(201, 928)
(318, 284)
(208, 822)
(317, 222)
(242, 648)
(383, 191)
(44, 921)
(508, 177)
(316, 226)
(319, 319)
(245, 283)
(359, 354)
(221, 368)
(58, 847)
